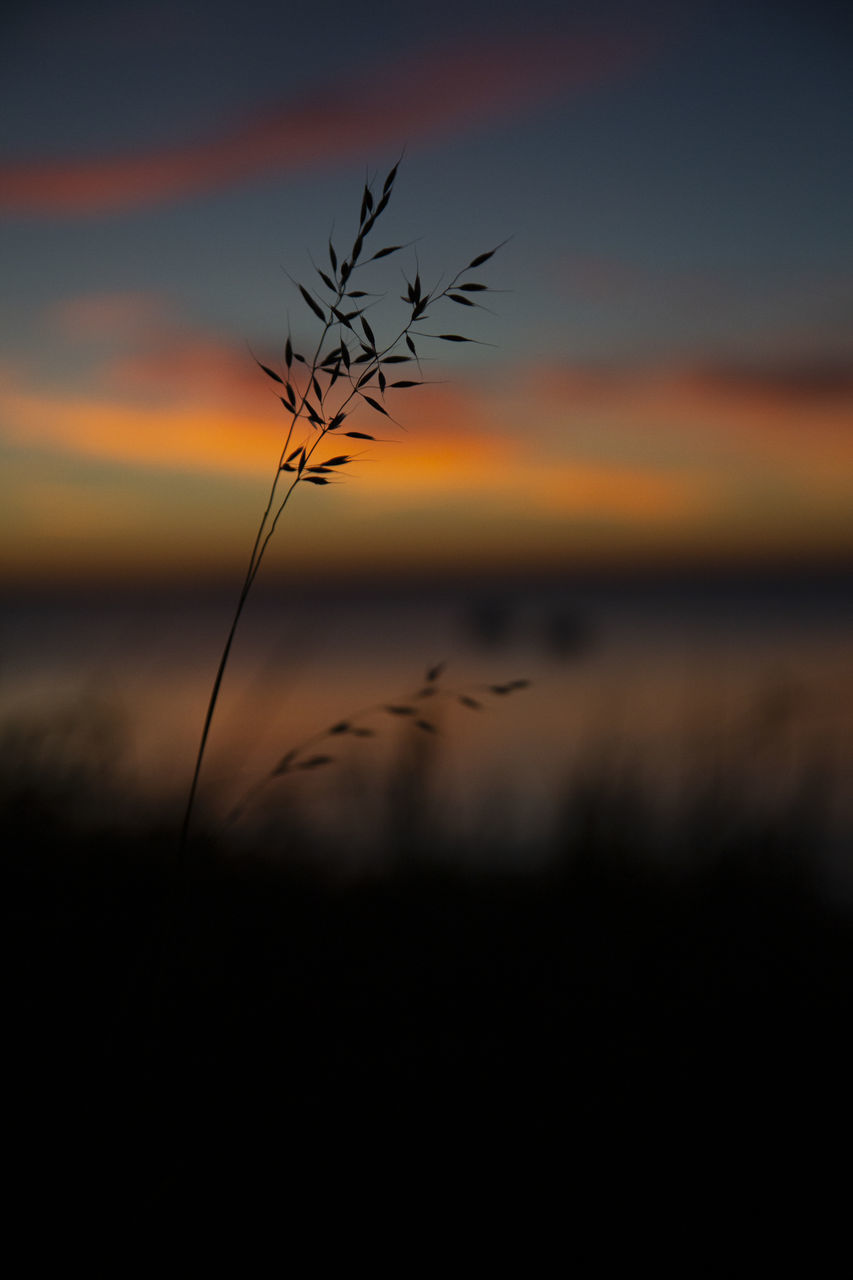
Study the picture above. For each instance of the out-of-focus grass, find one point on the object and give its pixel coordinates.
(190, 1022)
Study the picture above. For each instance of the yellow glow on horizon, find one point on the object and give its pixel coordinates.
(433, 463)
(656, 463)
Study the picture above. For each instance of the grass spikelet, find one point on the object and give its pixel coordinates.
(335, 392)
(303, 757)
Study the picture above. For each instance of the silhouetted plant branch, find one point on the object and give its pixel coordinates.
(320, 394)
(305, 757)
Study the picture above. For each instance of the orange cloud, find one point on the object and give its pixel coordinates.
(449, 454)
(193, 368)
(796, 417)
(545, 463)
(189, 400)
(183, 437)
(485, 471)
(439, 92)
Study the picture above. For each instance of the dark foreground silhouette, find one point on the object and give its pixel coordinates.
(187, 1032)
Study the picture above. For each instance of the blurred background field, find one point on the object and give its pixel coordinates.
(661, 692)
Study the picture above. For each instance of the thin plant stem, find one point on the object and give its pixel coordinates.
(255, 559)
(330, 313)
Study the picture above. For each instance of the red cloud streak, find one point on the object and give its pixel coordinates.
(438, 93)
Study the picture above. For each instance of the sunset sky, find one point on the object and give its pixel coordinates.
(666, 368)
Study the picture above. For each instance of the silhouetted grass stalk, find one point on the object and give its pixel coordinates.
(411, 709)
(311, 405)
